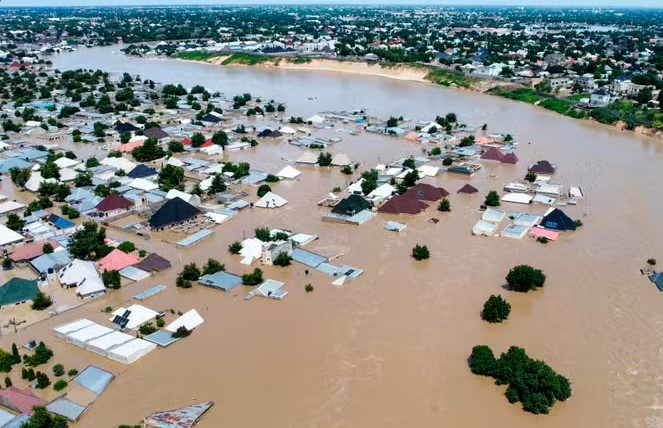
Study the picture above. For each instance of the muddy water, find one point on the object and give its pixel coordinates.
(389, 349)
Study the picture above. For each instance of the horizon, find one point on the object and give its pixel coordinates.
(624, 4)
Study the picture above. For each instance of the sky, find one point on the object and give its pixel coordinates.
(604, 3)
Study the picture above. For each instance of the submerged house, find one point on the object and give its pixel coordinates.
(113, 205)
(558, 220)
(351, 205)
(426, 192)
(402, 204)
(271, 250)
(174, 211)
(468, 189)
(17, 291)
(543, 167)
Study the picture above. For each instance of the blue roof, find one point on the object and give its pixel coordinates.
(223, 280)
(195, 238)
(51, 261)
(8, 164)
(657, 279)
(142, 171)
(5, 417)
(150, 292)
(94, 379)
(254, 177)
(17, 422)
(308, 258)
(327, 268)
(350, 271)
(161, 338)
(79, 194)
(29, 154)
(67, 408)
(61, 222)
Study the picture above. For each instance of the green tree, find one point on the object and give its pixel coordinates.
(263, 190)
(253, 278)
(324, 159)
(111, 279)
(530, 176)
(58, 370)
(263, 233)
(197, 140)
(91, 162)
(482, 361)
(213, 266)
(190, 272)
(50, 170)
(127, 247)
(496, 309)
(171, 177)
(149, 151)
(42, 381)
(83, 179)
(392, 122)
(492, 199)
(47, 248)
(8, 382)
(14, 221)
(447, 161)
(40, 418)
(283, 259)
(220, 138)
(420, 252)
(20, 176)
(40, 356)
(147, 328)
(60, 385)
(41, 301)
(524, 278)
(181, 332)
(235, 247)
(444, 205)
(88, 242)
(175, 146)
(217, 185)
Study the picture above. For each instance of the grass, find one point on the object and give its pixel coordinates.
(196, 55)
(561, 106)
(448, 78)
(299, 60)
(578, 97)
(249, 59)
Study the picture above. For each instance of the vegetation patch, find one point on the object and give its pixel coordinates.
(448, 78)
(249, 59)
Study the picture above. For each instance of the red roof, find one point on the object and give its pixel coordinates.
(426, 192)
(117, 260)
(21, 400)
(31, 251)
(403, 205)
(114, 202)
(186, 141)
(207, 143)
(493, 154)
(510, 158)
(469, 189)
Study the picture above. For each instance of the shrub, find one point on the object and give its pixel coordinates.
(41, 356)
(111, 279)
(60, 385)
(651, 262)
(147, 328)
(42, 381)
(524, 278)
(72, 372)
(235, 247)
(263, 190)
(8, 382)
(347, 170)
(271, 178)
(436, 151)
(530, 176)
(253, 278)
(161, 322)
(542, 240)
(108, 309)
(181, 282)
(496, 309)
(308, 288)
(58, 370)
(41, 302)
(263, 234)
(190, 272)
(420, 252)
(482, 361)
(283, 259)
(127, 247)
(578, 223)
(213, 266)
(444, 205)
(492, 199)
(324, 159)
(181, 332)
(47, 248)
(142, 253)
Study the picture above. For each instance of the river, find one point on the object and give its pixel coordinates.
(390, 349)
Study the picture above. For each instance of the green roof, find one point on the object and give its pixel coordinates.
(17, 290)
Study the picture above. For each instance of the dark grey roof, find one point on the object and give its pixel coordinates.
(175, 210)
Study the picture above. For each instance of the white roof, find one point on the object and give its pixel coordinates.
(382, 192)
(142, 184)
(35, 181)
(206, 183)
(131, 351)
(214, 149)
(217, 217)
(251, 247)
(9, 206)
(119, 163)
(64, 329)
(82, 336)
(288, 172)
(67, 174)
(190, 320)
(355, 187)
(517, 198)
(137, 138)
(287, 130)
(393, 171)
(174, 162)
(307, 157)
(192, 199)
(65, 162)
(108, 341)
(271, 200)
(316, 119)
(549, 189)
(84, 275)
(8, 236)
(139, 315)
(428, 170)
(214, 169)
(341, 159)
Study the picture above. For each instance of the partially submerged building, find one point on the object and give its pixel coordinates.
(174, 211)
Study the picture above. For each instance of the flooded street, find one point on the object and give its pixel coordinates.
(389, 349)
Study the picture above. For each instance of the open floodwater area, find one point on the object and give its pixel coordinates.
(390, 348)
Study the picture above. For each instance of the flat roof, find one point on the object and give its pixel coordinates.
(161, 338)
(94, 379)
(67, 408)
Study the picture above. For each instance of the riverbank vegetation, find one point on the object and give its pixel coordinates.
(249, 59)
(450, 78)
(531, 382)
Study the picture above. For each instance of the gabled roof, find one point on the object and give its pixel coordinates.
(142, 171)
(125, 127)
(558, 220)
(493, 154)
(116, 260)
(153, 263)
(173, 211)
(17, 290)
(403, 205)
(542, 167)
(155, 132)
(351, 205)
(8, 236)
(211, 118)
(426, 192)
(510, 158)
(31, 251)
(21, 400)
(114, 202)
(469, 189)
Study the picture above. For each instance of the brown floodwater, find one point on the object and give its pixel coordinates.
(389, 349)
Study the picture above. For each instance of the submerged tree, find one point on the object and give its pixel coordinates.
(524, 278)
(420, 252)
(496, 309)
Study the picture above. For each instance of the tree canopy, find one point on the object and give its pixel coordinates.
(87, 243)
(524, 278)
